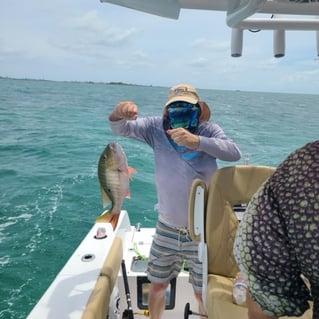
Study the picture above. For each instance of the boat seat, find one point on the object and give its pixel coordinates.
(213, 206)
(98, 304)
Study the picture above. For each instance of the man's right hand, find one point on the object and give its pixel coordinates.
(124, 110)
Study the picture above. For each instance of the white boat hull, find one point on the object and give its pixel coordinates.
(70, 291)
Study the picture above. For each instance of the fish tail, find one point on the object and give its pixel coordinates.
(114, 220)
(108, 217)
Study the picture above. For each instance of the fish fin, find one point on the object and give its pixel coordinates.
(128, 194)
(105, 198)
(130, 171)
(108, 218)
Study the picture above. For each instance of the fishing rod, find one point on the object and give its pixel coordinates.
(127, 313)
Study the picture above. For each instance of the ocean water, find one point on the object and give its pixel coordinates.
(51, 136)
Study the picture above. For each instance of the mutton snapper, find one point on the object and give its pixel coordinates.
(114, 175)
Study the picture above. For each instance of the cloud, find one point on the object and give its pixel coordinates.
(8, 52)
(210, 45)
(199, 62)
(97, 30)
(90, 41)
(90, 35)
(136, 59)
(299, 77)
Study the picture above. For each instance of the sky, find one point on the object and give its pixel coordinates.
(86, 40)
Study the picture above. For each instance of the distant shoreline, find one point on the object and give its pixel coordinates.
(140, 85)
(74, 81)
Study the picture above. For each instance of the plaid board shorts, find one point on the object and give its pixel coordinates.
(170, 248)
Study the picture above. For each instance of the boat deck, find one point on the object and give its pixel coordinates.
(68, 294)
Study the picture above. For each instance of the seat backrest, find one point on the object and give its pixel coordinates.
(229, 186)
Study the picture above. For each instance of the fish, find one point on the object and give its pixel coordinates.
(114, 176)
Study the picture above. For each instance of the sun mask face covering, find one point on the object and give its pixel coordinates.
(183, 114)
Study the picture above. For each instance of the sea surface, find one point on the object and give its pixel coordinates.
(51, 136)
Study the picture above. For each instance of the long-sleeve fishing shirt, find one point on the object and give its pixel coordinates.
(176, 167)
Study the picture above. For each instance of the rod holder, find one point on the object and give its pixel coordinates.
(279, 37)
(237, 36)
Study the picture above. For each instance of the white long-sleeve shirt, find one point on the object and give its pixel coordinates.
(175, 169)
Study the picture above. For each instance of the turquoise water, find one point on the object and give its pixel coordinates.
(51, 136)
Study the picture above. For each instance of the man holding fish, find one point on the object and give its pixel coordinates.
(186, 146)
